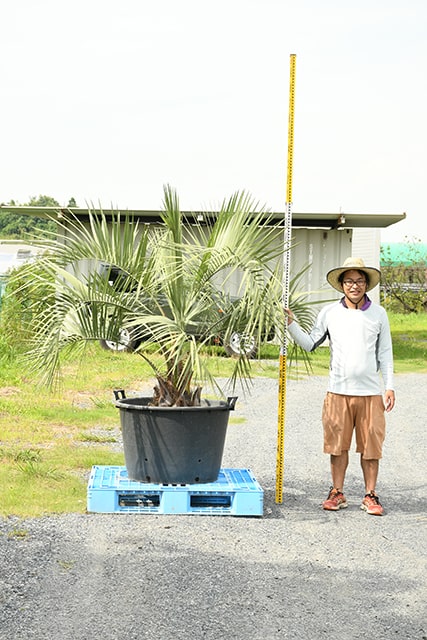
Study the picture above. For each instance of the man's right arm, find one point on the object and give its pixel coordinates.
(308, 341)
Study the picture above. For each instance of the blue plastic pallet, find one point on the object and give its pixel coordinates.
(236, 493)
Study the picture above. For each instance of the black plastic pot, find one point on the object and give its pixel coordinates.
(173, 445)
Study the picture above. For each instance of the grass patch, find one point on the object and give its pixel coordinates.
(17, 534)
(409, 342)
(236, 420)
(50, 441)
(94, 437)
(54, 483)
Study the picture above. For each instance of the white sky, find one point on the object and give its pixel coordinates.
(107, 101)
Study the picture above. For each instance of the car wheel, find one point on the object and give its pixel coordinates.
(125, 342)
(240, 343)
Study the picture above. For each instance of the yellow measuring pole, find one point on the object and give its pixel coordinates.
(285, 295)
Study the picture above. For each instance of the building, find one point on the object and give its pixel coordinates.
(320, 241)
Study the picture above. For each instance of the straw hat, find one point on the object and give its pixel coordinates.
(353, 263)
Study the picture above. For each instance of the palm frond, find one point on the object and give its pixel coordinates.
(167, 284)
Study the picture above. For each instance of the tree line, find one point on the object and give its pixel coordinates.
(20, 227)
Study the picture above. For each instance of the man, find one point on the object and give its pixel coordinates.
(360, 347)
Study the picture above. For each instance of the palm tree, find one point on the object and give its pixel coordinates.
(165, 285)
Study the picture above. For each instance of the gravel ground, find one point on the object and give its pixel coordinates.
(297, 572)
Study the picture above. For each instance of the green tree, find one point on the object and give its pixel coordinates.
(42, 201)
(23, 300)
(404, 277)
(18, 226)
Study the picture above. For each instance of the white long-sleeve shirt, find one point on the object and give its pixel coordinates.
(360, 347)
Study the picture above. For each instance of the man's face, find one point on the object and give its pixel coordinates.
(354, 285)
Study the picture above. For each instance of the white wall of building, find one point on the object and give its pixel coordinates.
(367, 245)
(321, 250)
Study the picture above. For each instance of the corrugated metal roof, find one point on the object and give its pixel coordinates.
(304, 220)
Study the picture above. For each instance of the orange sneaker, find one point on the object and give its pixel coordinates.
(371, 504)
(335, 500)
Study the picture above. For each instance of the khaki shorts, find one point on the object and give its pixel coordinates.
(343, 414)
